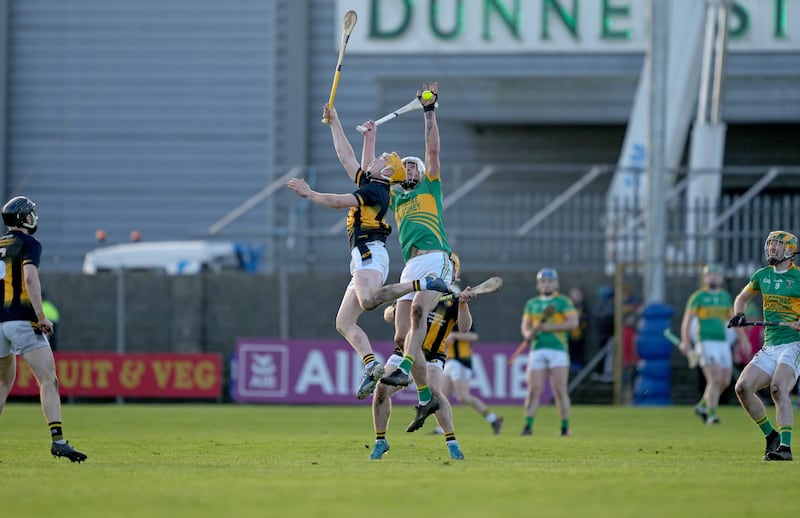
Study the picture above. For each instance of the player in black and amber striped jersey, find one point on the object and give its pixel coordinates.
(367, 231)
(451, 311)
(23, 325)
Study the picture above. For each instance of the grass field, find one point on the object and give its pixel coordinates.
(228, 460)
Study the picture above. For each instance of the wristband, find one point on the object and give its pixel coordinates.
(429, 108)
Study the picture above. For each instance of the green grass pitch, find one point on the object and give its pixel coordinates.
(198, 460)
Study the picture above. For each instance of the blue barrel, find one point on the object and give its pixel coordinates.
(654, 385)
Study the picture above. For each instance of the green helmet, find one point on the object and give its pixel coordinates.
(713, 268)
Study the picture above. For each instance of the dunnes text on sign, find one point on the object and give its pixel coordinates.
(530, 26)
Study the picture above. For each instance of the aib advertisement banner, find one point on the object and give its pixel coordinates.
(267, 370)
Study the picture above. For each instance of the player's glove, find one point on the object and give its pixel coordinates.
(429, 107)
(738, 320)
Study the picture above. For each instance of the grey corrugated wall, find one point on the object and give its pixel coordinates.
(145, 115)
(158, 115)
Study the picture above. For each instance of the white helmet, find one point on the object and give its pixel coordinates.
(411, 183)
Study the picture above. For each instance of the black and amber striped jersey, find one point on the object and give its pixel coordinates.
(441, 322)
(367, 222)
(461, 351)
(17, 249)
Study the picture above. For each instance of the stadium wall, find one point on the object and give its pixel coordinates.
(164, 116)
(206, 313)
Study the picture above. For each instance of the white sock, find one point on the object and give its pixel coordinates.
(491, 417)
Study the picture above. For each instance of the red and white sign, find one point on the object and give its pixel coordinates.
(130, 375)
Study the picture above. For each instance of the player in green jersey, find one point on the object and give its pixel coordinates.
(777, 364)
(367, 231)
(546, 323)
(418, 210)
(703, 327)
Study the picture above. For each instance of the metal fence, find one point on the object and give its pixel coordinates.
(515, 217)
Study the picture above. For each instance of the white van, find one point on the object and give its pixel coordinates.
(172, 257)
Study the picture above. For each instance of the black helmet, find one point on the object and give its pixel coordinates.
(16, 211)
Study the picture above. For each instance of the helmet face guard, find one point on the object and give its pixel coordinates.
(784, 244)
(411, 183)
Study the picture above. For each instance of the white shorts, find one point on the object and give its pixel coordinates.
(395, 360)
(456, 370)
(540, 359)
(19, 337)
(433, 263)
(379, 261)
(715, 352)
(768, 358)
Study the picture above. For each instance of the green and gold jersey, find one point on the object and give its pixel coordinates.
(552, 310)
(418, 213)
(713, 310)
(780, 293)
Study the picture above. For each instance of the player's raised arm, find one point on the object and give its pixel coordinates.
(432, 165)
(368, 150)
(326, 199)
(344, 151)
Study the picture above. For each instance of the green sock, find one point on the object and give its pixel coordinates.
(712, 412)
(425, 394)
(765, 425)
(529, 422)
(786, 435)
(701, 405)
(406, 364)
(564, 425)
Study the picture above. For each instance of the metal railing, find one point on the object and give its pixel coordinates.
(515, 217)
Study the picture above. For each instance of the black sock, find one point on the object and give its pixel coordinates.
(55, 431)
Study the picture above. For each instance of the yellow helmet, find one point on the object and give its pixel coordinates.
(789, 241)
(393, 171)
